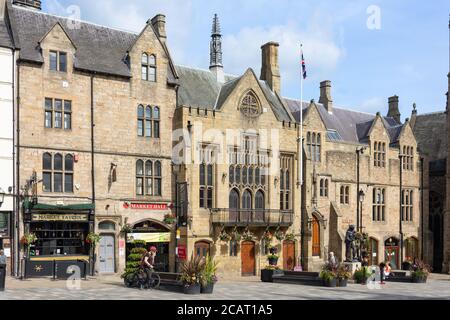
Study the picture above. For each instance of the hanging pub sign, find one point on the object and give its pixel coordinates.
(146, 206)
(59, 217)
(155, 237)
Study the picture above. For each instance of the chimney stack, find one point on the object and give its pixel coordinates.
(270, 70)
(394, 111)
(325, 95)
(159, 24)
(31, 4)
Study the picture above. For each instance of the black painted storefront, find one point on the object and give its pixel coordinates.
(61, 248)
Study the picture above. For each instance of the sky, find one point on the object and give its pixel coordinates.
(370, 50)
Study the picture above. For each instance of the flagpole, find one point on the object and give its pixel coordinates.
(301, 116)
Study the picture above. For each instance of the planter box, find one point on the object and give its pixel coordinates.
(192, 289)
(208, 289)
(330, 283)
(342, 283)
(267, 275)
(419, 280)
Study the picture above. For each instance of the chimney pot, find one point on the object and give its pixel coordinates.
(394, 111)
(325, 95)
(270, 70)
(159, 24)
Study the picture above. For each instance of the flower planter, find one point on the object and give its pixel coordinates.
(419, 279)
(192, 289)
(267, 275)
(273, 261)
(208, 289)
(332, 283)
(362, 281)
(342, 283)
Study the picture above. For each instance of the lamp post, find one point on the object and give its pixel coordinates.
(359, 152)
(361, 197)
(400, 206)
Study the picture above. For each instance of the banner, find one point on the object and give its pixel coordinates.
(59, 217)
(149, 237)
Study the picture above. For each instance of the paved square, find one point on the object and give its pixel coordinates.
(112, 288)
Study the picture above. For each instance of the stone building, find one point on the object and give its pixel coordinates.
(7, 203)
(115, 139)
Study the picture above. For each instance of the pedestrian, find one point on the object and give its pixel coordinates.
(382, 274)
(2, 257)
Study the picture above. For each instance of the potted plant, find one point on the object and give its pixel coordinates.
(267, 236)
(93, 238)
(133, 263)
(343, 274)
(126, 228)
(329, 276)
(191, 271)
(273, 259)
(279, 235)
(420, 272)
(169, 219)
(27, 240)
(208, 277)
(361, 275)
(268, 272)
(247, 236)
(289, 237)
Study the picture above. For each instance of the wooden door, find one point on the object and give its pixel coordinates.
(289, 255)
(248, 263)
(202, 249)
(315, 237)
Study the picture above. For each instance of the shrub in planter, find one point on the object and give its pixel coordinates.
(420, 272)
(329, 278)
(191, 271)
(273, 259)
(361, 275)
(133, 262)
(343, 274)
(268, 272)
(208, 276)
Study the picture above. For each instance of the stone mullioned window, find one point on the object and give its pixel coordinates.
(58, 114)
(148, 121)
(148, 67)
(408, 158)
(314, 146)
(57, 172)
(148, 178)
(379, 154)
(407, 205)
(379, 204)
(58, 61)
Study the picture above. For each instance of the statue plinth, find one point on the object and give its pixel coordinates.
(353, 266)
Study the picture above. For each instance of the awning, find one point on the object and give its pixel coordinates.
(71, 207)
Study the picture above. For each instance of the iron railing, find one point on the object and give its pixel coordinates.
(255, 217)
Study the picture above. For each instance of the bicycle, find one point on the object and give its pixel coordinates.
(140, 280)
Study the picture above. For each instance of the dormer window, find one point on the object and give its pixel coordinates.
(148, 67)
(58, 61)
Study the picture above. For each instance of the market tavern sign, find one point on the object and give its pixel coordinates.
(59, 217)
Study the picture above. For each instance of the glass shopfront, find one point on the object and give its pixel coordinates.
(59, 238)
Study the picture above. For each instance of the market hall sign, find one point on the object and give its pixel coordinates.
(146, 206)
(59, 217)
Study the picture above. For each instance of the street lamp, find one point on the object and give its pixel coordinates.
(361, 197)
(2, 196)
(359, 152)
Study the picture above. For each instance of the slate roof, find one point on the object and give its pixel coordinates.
(5, 37)
(430, 131)
(352, 126)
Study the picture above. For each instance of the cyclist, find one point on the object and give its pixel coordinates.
(147, 264)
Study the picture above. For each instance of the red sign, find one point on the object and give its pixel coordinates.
(146, 206)
(182, 253)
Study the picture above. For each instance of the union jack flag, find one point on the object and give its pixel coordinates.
(304, 67)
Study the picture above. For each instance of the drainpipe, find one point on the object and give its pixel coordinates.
(16, 219)
(421, 209)
(92, 223)
(400, 212)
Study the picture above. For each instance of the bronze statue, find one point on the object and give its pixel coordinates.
(351, 254)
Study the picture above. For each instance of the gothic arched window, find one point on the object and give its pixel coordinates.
(250, 105)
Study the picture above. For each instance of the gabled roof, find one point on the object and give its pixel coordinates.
(200, 89)
(352, 126)
(63, 29)
(430, 131)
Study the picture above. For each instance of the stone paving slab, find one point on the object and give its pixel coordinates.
(112, 288)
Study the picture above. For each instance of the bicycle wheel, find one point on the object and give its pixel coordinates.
(155, 281)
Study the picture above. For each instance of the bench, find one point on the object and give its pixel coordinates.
(170, 281)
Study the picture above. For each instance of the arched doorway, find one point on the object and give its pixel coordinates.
(412, 248)
(288, 255)
(155, 234)
(392, 252)
(202, 249)
(373, 252)
(248, 261)
(315, 227)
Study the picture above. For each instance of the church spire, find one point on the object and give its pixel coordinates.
(215, 65)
